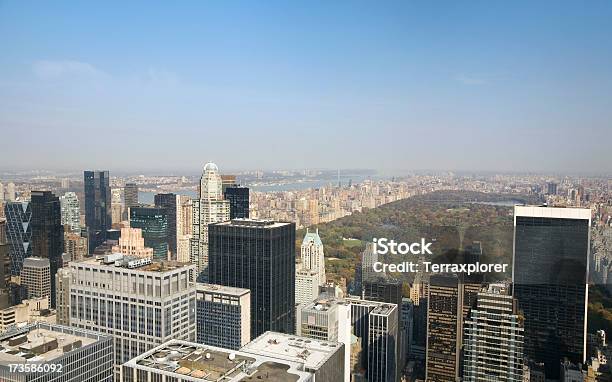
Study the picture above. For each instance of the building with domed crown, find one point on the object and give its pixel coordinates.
(211, 207)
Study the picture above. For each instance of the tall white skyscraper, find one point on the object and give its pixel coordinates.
(71, 214)
(1, 192)
(312, 254)
(209, 208)
(310, 272)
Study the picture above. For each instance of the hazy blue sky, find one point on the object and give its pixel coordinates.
(472, 85)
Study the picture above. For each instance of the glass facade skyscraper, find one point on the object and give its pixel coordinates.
(551, 249)
(18, 233)
(153, 221)
(98, 217)
(258, 255)
(47, 232)
(238, 198)
(169, 201)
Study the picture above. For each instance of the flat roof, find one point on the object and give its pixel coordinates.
(155, 266)
(197, 362)
(41, 343)
(311, 352)
(222, 289)
(253, 223)
(553, 212)
(36, 262)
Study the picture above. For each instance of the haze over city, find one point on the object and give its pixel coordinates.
(406, 86)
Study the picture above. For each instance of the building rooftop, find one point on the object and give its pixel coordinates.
(553, 212)
(203, 363)
(42, 343)
(215, 288)
(253, 223)
(312, 353)
(36, 262)
(132, 262)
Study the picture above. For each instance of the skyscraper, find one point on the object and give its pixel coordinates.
(258, 255)
(75, 245)
(47, 232)
(169, 202)
(443, 348)
(141, 303)
(383, 338)
(71, 213)
(327, 320)
(153, 221)
(238, 198)
(10, 192)
(312, 254)
(551, 250)
(184, 228)
(306, 285)
(130, 195)
(209, 208)
(98, 217)
(18, 233)
(132, 243)
(493, 338)
(65, 354)
(36, 277)
(223, 316)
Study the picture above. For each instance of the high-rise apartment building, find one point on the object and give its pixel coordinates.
(132, 243)
(153, 221)
(36, 277)
(62, 354)
(238, 198)
(116, 207)
(258, 255)
(141, 303)
(98, 217)
(10, 192)
(210, 208)
(327, 319)
(18, 233)
(184, 228)
(493, 338)
(169, 202)
(63, 279)
(75, 245)
(551, 251)
(71, 213)
(47, 232)
(223, 316)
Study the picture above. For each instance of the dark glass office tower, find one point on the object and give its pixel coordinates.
(18, 233)
(97, 206)
(130, 195)
(443, 329)
(168, 201)
(239, 201)
(47, 232)
(551, 249)
(153, 221)
(260, 256)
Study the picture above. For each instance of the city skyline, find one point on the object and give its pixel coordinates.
(436, 88)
